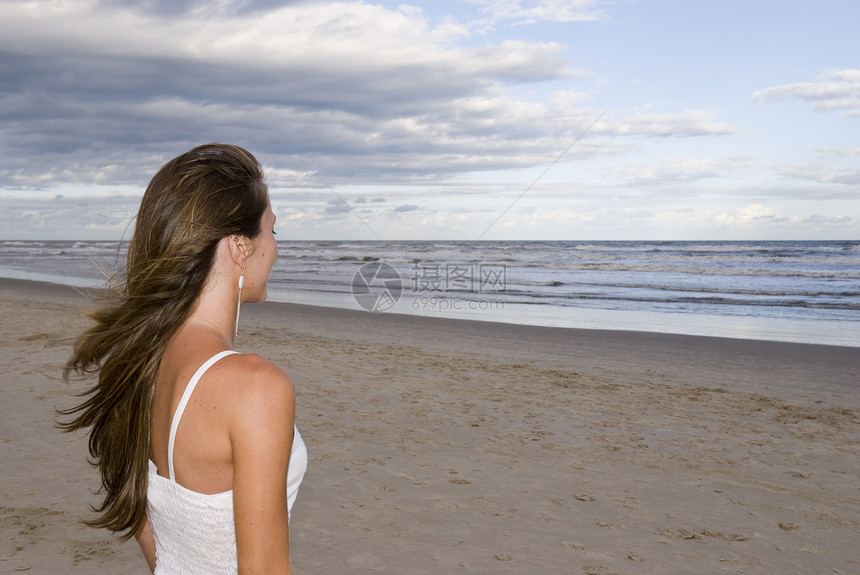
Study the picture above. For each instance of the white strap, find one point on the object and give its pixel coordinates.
(186, 395)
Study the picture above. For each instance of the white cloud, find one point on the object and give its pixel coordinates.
(835, 90)
(840, 152)
(407, 208)
(343, 37)
(827, 174)
(828, 221)
(676, 170)
(681, 124)
(751, 215)
(528, 12)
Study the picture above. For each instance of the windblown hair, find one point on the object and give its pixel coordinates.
(193, 202)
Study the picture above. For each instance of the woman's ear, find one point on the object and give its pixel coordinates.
(240, 248)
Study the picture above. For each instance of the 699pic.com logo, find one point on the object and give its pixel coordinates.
(377, 286)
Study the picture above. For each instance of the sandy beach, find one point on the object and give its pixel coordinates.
(444, 446)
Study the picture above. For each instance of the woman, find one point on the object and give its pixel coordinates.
(196, 444)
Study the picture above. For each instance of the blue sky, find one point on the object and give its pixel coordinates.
(493, 119)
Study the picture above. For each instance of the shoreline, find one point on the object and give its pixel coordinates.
(440, 445)
(785, 361)
(591, 317)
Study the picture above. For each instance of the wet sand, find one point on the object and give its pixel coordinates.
(441, 446)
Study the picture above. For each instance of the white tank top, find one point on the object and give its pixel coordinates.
(194, 532)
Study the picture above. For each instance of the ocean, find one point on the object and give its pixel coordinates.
(800, 291)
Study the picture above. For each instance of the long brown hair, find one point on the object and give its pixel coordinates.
(193, 202)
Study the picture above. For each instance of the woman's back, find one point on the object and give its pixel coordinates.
(192, 517)
(203, 460)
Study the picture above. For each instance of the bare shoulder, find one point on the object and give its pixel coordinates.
(259, 389)
(255, 370)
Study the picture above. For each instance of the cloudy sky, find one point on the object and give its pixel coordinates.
(450, 119)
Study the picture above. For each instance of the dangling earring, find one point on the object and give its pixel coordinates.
(239, 302)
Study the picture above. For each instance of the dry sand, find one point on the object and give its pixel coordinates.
(442, 446)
